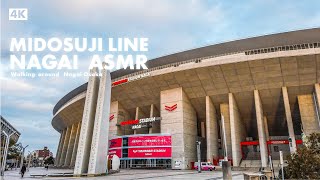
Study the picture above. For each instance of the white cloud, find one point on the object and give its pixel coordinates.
(30, 105)
(16, 87)
(144, 10)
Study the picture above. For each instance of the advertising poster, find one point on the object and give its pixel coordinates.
(152, 152)
(115, 143)
(117, 152)
(149, 141)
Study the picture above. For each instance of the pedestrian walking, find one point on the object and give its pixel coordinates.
(23, 170)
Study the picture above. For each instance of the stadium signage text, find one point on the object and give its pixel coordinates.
(149, 141)
(142, 146)
(41, 53)
(133, 78)
(139, 123)
(149, 152)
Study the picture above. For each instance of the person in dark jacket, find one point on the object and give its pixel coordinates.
(23, 170)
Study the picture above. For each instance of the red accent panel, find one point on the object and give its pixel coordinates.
(149, 152)
(149, 141)
(117, 152)
(171, 108)
(298, 141)
(249, 143)
(283, 142)
(114, 143)
(121, 81)
(111, 117)
(136, 121)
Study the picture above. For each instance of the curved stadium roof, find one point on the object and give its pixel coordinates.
(266, 41)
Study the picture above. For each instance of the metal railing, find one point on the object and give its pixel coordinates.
(248, 52)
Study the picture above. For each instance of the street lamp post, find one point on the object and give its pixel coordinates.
(5, 152)
(199, 155)
(226, 165)
(22, 154)
(30, 155)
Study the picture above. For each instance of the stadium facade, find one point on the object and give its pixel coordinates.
(265, 90)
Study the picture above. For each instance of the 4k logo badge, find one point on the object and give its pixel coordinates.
(18, 14)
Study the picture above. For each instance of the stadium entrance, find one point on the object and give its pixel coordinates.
(142, 151)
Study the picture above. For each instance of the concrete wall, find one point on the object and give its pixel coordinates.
(87, 123)
(59, 150)
(155, 125)
(238, 130)
(75, 148)
(224, 109)
(120, 115)
(261, 129)
(99, 147)
(113, 129)
(65, 146)
(139, 115)
(317, 93)
(211, 130)
(308, 114)
(293, 148)
(266, 127)
(181, 123)
(72, 139)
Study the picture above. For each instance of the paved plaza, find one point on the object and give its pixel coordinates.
(126, 174)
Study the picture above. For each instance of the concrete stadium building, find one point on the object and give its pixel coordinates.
(266, 90)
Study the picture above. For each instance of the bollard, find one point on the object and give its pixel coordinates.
(226, 170)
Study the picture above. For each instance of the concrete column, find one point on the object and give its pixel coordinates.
(99, 146)
(87, 123)
(139, 115)
(119, 115)
(289, 119)
(71, 145)
(211, 130)
(136, 117)
(261, 129)
(157, 124)
(265, 122)
(151, 115)
(181, 123)
(65, 146)
(224, 109)
(75, 148)
(203, 131)
(113, 128)
(237, 127)
(308, 114)
(317, 96)
(59, 150)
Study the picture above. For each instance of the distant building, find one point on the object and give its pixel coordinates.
(39, 156)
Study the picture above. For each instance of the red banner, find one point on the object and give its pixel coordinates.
(149, 141)
(149, 152)
(298, 141)
(114, 143)
(120, 82)
(117, 152)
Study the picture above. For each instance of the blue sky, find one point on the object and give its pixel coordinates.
(171, 26)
